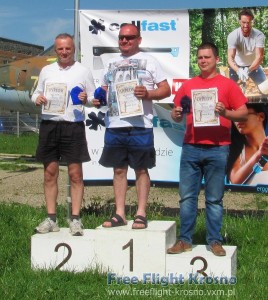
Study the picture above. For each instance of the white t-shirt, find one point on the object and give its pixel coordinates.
(147, 71)
(75, 75)
(245, 46)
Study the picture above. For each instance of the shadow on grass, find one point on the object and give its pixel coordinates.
(157, 210)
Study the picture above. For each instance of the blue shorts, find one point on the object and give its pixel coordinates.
(62, 141)
(128, 146)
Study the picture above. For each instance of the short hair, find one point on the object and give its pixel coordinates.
(245, 12)
(63, 36)
(208, 45)
(131, 24)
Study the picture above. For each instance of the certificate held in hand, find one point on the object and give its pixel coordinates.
(128, 104)
(56, 95)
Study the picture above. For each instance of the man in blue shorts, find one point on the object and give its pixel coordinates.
(129, 141)
(62, 130)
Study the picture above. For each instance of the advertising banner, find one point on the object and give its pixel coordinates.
(173, 37)
(165, 35)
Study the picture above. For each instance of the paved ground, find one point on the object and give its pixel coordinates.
(27, 187)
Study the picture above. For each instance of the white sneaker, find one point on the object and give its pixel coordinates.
(76, 227)
(47, 226)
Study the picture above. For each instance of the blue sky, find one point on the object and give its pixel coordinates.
(39, 21)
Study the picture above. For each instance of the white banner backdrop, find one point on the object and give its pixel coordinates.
(165, 35)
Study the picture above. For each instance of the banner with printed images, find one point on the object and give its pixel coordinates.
(248, 159)
(247, 164)
(173, 37)
(165, 35)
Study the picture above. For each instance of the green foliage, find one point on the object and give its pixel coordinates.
(24, 144)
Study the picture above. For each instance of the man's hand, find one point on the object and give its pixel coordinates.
(40, 100)
(83, 97)
(96, 102)
(176, 114)
(141, 92)
(220, 109)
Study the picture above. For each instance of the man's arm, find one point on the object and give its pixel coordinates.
(238, 115)
(162, 91)
(231, 59)
(258, 59)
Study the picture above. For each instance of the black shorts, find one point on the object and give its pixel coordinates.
(62, 141)
(130, 146)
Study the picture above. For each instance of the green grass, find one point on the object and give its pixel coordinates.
(19, 281)
(19, 167)
(25, 144)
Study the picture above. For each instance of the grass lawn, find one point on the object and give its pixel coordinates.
(19, 281)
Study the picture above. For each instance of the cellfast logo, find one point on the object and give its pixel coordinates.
(155, 26)
(145, 25)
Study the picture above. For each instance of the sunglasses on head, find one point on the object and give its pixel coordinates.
(127, 37)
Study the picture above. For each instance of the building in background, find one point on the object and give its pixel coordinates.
(11, 50)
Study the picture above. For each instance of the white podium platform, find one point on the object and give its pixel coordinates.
(133, 252)
(61, 250)
(126, 253)
(202, 261)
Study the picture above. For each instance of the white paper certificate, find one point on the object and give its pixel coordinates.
(204, 102)
(128, 104)
(56, 95)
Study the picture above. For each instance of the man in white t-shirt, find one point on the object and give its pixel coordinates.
(246, 50)
(62, 136)
(129, 140)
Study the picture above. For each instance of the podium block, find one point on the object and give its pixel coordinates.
(61, 250)
(128, 254)
(134, 252)
(203, 262)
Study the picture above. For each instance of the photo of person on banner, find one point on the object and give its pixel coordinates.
(248, 159)
(246, 52)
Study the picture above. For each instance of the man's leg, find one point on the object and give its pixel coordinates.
(190, 183)
(77, 193)
(77, 187)
(51, 173)
(214, 174)
(258, 75)
(189, 187)
(142, 188)
(233, 75)
(120, 185)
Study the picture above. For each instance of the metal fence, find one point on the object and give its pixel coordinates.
(18, 123)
